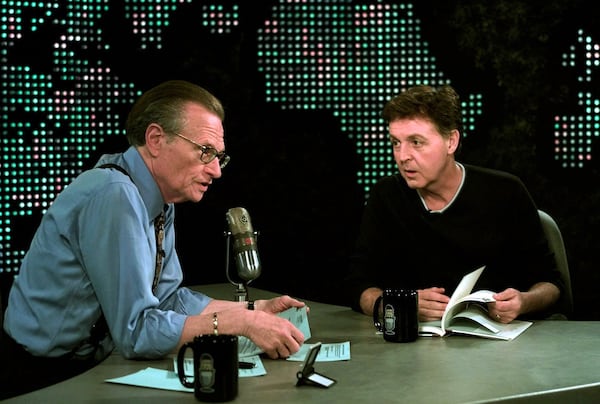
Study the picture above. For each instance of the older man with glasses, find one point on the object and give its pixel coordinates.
(102, 270)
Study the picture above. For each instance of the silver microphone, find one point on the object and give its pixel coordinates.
(244, 244)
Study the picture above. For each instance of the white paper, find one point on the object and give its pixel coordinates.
(153, 378)
(168, 380)
(247, 352)
(297, 316)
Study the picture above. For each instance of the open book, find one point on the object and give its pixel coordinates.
(467, 314)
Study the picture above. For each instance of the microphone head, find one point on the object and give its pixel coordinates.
(238, 220)
(244, 244)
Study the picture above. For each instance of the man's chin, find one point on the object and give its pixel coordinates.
(197, 196)
(411, 183)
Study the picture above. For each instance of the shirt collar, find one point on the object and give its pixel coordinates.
(462, 182)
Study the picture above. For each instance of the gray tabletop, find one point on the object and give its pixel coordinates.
(553, 361)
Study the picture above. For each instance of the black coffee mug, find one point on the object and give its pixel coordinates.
(215, 367)
(400, 315)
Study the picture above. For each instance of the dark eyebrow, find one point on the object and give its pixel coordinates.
(219, 153)
(409, 137)
(209, 144)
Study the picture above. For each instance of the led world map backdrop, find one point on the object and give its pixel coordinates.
(65, 86)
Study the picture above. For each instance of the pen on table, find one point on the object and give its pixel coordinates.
(246, 365)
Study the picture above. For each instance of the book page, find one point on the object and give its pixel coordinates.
(474, 321)
(465, 286)
(507, 332)
(463, 289)
(479, 314)
(481, 296)
(430, 329)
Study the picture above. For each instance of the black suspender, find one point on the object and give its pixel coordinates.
(100, 328)
(116, 167)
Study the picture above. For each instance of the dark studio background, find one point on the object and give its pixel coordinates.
(295, 170)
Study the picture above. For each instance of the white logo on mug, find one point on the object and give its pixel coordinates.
(207, 373)
(389, 319)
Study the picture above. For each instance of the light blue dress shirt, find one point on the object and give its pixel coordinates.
(94, 250)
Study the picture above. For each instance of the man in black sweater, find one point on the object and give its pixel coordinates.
(437, 220)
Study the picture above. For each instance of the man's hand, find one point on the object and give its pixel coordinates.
(512, 303)
(277, 337)
(278, 304)
(432, 303)
(507, 306)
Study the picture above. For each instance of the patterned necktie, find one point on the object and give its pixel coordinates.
(159, 231)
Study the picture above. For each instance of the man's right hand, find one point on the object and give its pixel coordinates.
(432, 303)
(275, 336)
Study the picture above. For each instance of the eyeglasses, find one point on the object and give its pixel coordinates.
(208, 153)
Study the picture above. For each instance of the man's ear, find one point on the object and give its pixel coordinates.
(453, 141)
(155, 137)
